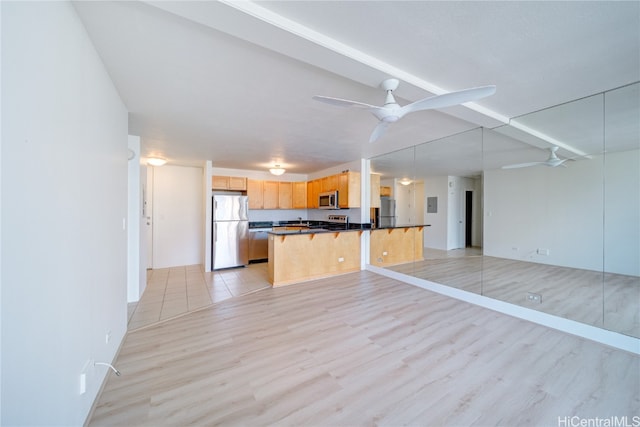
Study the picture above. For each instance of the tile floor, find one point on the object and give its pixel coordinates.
(174, 291)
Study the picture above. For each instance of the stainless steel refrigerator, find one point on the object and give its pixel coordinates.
(387, 212)
(230, 240)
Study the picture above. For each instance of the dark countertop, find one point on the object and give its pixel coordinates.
(313, 231)
(402, 226)
(313, 225)
(323, 226)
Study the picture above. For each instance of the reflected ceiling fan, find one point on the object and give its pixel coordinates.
(391, 112)
(552, 161)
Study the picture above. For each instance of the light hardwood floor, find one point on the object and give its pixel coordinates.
(361, 349)
(610, 301)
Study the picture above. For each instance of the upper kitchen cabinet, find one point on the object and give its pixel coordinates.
(375, 190)
(276, 194)
(271, 194)
(349, 190)
(285, 195)
(313, 190)
(329, 183)
(299, 195)
(385, 191)
(232, 183)
(255, 191)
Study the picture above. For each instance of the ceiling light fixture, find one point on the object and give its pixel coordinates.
(156, 161)
(405, 181)
(277, 170)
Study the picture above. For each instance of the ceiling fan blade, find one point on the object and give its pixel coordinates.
(342, 102)
(523, 165)
(379, 131)
(449, 99)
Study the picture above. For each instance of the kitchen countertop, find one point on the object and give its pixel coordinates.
(402, 226)
(322, 227)
(313, 231)
(314, 226)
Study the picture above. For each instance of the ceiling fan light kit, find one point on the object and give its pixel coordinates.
(552, 161)
(391, 111)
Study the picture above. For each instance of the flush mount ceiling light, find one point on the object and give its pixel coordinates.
(277, 170)
(405, 181)
(156, 161)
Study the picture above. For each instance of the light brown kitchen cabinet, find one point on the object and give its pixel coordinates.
(385, 191)
(285, 195)
(375, 190)
(237, 183)
(313, 190)
(329, 183)
(255, 190)
(270, 195)
(220, 182)
(233, 183)
(349, 190)
(299, 195)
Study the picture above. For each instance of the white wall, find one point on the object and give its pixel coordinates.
(64, 198)
(136, 281)
(559, 209)
(622, 213)
(177, 216)
(436, 236)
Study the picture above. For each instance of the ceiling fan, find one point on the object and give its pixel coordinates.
(552, 161)
(391, 112)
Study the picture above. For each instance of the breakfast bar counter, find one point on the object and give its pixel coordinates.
(396, 245)
(307, 254)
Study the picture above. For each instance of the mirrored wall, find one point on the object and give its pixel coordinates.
(542, 213)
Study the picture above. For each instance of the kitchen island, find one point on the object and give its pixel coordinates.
(306, 254)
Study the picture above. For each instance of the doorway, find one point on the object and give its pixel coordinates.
(468, 227)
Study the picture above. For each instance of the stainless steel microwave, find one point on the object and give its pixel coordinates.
(328, 200)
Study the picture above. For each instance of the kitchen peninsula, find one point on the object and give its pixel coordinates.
(396, 245)
(298, 254)
(306, 254)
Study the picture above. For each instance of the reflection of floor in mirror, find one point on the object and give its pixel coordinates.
(567, 292)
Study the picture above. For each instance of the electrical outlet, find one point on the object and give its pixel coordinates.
(107, 337)
(532, 297)
(385, 253)
(542, 251)
(341, 259)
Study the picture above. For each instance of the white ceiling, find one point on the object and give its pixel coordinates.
(232, 82)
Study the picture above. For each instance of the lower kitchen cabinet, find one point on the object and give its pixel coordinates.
(258, 244)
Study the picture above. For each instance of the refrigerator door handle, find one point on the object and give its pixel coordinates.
(215, 231)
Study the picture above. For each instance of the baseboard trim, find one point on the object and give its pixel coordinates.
(593, 333)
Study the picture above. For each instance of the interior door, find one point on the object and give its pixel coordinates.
(147, 212)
